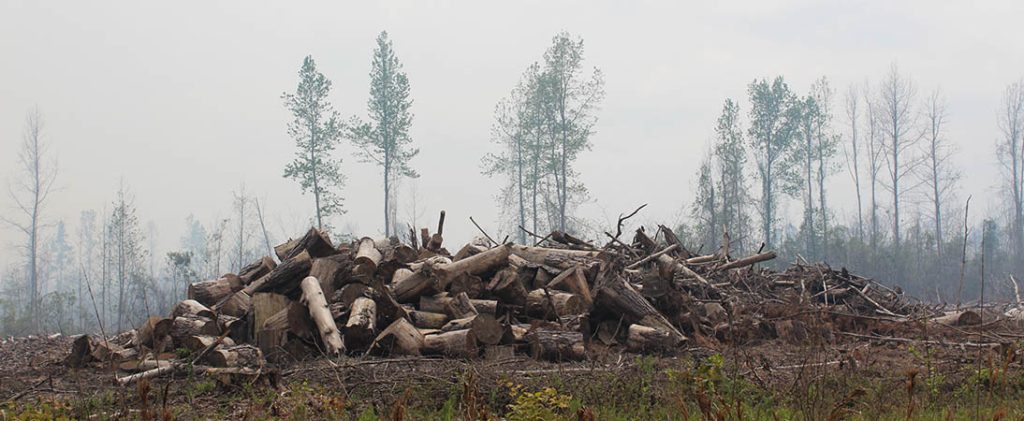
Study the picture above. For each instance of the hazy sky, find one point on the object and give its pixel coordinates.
(181, 100)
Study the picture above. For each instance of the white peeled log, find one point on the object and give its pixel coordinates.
(313, 298)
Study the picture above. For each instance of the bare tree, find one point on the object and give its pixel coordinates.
(852, 152)
(29, 193)
(875, 164)
(1010, 150)
(898, 120)
(242, 226)
(939, 175)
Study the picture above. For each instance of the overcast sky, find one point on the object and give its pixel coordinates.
(181, 100)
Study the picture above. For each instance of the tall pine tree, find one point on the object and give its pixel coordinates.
(385, 140)
(316, 131)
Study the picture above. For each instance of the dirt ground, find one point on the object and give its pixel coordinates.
(915, 369)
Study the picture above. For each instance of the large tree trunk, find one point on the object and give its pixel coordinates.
(313, 298)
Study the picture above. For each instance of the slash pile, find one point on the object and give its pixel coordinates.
(559, 300)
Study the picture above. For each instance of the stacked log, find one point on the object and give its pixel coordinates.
(386, 297)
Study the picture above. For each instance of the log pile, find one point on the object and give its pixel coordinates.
(560, 300)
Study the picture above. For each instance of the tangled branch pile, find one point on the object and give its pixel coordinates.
(561, 301)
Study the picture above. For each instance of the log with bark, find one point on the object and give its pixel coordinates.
(550, 304)
(457, 344)
(284, 278)
(257, 269)
(236, 356)
(212, 292)
(648, 339)
(485, 328)
(399, 338)
(556, 345)
(315, 243)
(191, 308)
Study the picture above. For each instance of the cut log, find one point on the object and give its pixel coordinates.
(326, 271)
(399, 338)
(264, 306)
(959, 318)
(542, 255)
(468, 250)
(477, 264)
(428, 320)
(212, 292)
(90, 348)
(550, 304)
(316, 303)
(508, 287)
(669, 268)
(284, 278)
(236, 356)
(457, 344)
(749, 260)
(199, 342)
(315, 243)
(191, 308)
(257, 269)
(439, 304)
(671, 238)
(460, 306)
(152, 332)
(436, 239)
(361, 326)
(485, 328)
(648, 339)
(367, 257)
(619, 297)
(472, 285)
(574, 281)
(410, 287)
(556, 345)
(348, 294)
(236, 305)
(187, 326)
